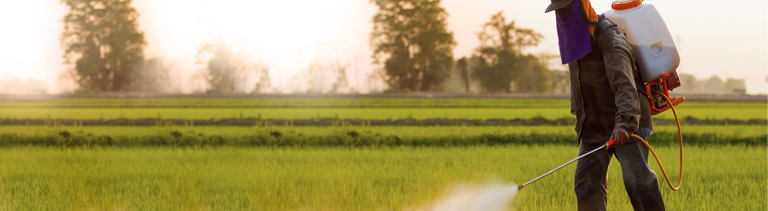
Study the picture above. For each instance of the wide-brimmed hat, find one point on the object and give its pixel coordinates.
(557, 4)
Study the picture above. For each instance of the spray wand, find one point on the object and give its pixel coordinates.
(610, 144)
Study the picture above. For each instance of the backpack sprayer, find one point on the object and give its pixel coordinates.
(657, 60)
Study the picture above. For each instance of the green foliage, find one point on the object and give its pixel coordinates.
(102, 40)
(500, 55)
(221, 69)
(413, 43)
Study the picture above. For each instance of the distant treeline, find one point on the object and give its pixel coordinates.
(711, 86)
(411, 43)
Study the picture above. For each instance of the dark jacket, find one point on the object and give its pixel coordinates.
(604, 92)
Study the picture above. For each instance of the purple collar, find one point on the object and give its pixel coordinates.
(573, 34)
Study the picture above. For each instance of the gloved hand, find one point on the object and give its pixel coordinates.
(620, 135)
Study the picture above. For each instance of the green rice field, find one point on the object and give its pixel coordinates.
(343, 167)
(346, 179)
(409, 131)
(345, 108)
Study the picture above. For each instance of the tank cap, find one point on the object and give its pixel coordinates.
(626, 4)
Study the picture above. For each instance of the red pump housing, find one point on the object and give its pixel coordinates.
(662, 86)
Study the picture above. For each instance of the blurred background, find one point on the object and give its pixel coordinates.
(339, 46)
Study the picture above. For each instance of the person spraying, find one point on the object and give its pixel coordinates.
(606, 98)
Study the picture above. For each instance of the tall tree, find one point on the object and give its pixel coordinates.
(413, 43)
(102, 40)
(536, 77)
(225, 70)
(501, 50)
(152, 77)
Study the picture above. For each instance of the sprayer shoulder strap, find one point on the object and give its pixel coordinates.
(602, 25)
(639, 84)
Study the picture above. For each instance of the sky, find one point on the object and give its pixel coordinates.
(727, 39)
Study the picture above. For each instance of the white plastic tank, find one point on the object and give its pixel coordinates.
(654, 48)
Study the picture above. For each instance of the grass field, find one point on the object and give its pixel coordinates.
(345, 108)
(721, 178)
(405, 131)
(341, 167)
(348, 113)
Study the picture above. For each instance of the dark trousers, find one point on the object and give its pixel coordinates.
(640, 180)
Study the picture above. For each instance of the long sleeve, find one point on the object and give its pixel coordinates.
(618, 59)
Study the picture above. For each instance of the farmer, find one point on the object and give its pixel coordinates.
(607, 105)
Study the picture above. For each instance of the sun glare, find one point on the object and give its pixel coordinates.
(273, 33)
(26, 43)
(278, 30)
